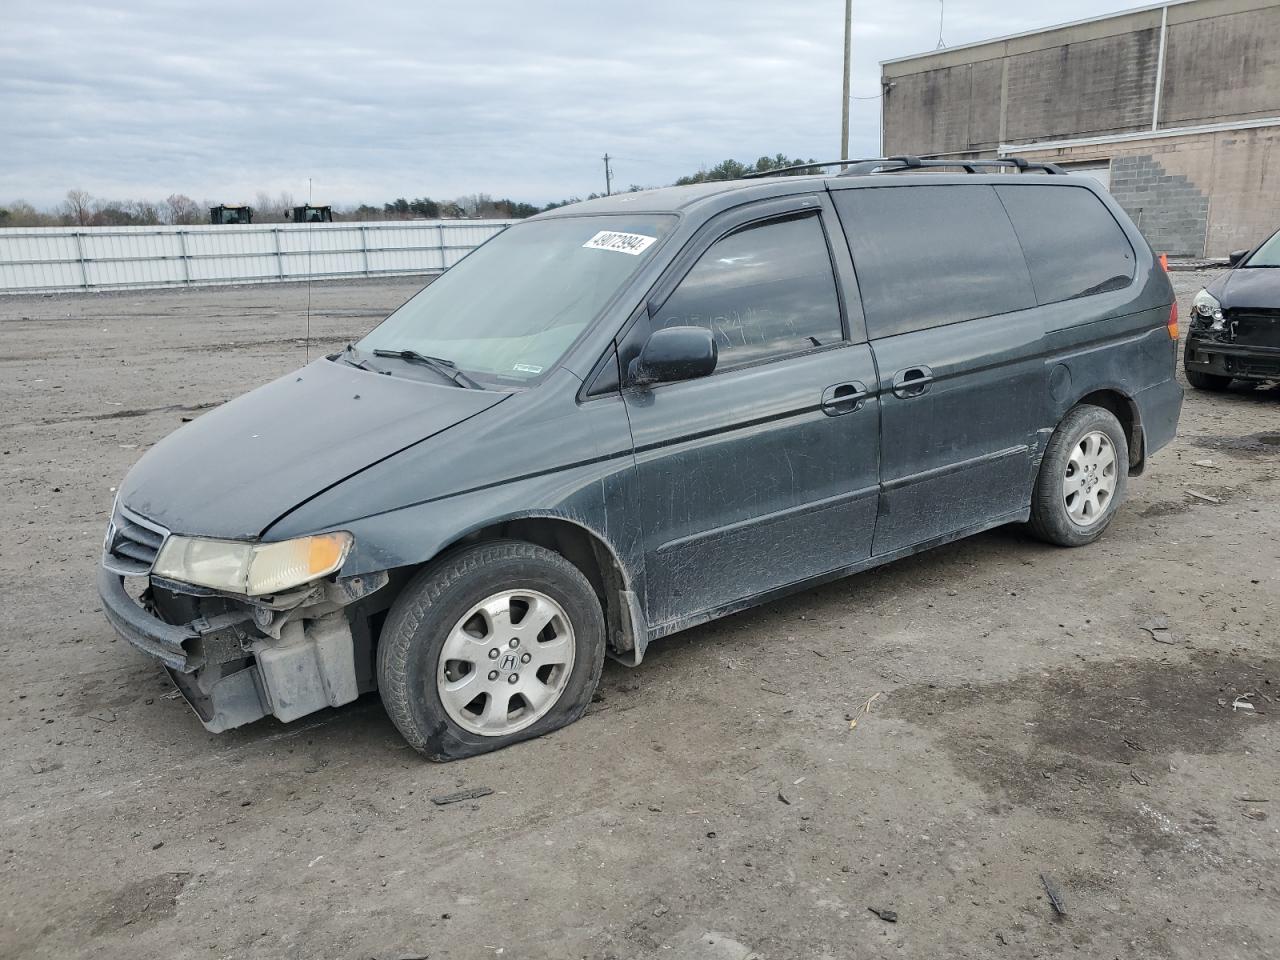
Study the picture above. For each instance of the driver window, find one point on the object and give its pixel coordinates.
(765, 291)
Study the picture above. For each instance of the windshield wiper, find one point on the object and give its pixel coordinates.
(446, 368)
(348, 355)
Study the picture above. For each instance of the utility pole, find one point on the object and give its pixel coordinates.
(844, 103)
(608, 177)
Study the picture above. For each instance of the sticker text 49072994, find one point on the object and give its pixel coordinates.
(632, 243)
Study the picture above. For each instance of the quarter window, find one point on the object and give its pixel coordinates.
(1073, 245)
(764, 291)
(928, 256)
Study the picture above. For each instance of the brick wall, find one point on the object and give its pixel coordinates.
(1168, 208)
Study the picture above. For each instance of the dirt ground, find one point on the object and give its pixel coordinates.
(715, 802)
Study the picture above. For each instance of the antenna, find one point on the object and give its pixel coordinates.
(942, 11)
(307, 341)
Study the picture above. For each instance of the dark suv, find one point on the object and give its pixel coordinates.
(1235, 322)
(633, 415)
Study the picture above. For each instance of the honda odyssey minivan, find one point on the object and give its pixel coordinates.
(622, 418)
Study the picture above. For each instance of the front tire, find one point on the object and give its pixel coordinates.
(1082, 478)
(1207, 381)
(497, 643)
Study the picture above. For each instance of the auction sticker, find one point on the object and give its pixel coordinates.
(632, 243)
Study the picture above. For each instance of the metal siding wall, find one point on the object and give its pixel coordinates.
(96, 258)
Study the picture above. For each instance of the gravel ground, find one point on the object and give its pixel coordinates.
(715, 801)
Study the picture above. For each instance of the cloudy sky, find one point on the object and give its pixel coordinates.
(385, 98)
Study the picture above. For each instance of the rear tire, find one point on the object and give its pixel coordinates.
(444, 688)
(1207, 381)
(1082, 478)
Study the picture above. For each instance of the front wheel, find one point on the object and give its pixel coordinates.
(498, 643)
(1082, 478)
(1207, 381)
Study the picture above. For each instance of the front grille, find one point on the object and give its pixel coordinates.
(1256, 328)
(132, 543)
(1252, 367)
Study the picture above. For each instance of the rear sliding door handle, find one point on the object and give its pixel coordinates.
(912, 382)
(844, 398)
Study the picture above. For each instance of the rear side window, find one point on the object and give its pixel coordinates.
(1073, 245)
(929, 256)
(764, 291)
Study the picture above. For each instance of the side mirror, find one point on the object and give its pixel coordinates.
(675, 353)
(1235, 256)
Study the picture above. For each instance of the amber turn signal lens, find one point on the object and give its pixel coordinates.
(327, 551)
(1172, 325)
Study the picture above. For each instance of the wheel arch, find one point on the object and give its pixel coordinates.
(591, 554)
(1125, 409)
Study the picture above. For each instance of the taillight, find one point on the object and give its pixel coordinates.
(1172, 325)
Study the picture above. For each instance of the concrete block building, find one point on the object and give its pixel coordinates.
(1176, 107)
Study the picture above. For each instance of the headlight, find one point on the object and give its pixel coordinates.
(252, 569)
(1206, 306)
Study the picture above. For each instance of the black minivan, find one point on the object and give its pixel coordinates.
(629, 416)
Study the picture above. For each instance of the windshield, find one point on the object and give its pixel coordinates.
(513, 307)
(1267, 255)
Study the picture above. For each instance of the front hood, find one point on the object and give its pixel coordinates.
(1248, 289)
(238, 468)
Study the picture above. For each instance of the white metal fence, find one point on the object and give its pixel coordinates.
(117, 258)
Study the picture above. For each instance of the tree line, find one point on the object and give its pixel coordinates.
(81, 209)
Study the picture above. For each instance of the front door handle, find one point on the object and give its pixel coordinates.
(844, 398)
(912, 382)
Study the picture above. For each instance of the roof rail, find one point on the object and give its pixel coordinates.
(861, 168)
(798, 166)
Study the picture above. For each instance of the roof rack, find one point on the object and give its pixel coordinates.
(863, 167)
(860, 168)
(798, 166)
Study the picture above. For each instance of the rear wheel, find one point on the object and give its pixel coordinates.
(1082, 478)
(1207, 381)
(498, 643)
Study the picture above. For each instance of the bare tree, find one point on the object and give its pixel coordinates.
(181, 209)
(77, 208)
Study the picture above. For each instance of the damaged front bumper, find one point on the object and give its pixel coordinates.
(1222, 354)
(287, 656)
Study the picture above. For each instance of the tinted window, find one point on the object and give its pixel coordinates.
(764, 291)
(927, 256)
(1072, 243)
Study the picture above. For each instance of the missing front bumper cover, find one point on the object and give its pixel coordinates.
(231, 673)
